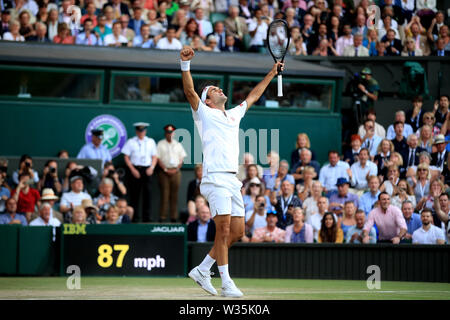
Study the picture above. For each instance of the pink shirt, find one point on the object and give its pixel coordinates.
(277, 234)
(388, 224)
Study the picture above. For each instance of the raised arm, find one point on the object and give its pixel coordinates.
(257, 91)
(186, 54)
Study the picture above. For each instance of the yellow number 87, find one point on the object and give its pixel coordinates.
(105, 260)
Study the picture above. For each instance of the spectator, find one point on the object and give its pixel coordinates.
(257, 29)
(305, 161)
(102, 30)
(41, 33)
(285, 203)
(116, 39)
(430, 120)
(230, 44)
(137, 22)
(253, 190)
(88, 37)
(170, 154)
(410, 49)
(315, 220)
(194, 189)
(112, 216)
(169, 42)
(403, 192)
(204, 25)
(127, 32)
(334, 30)
(428, 233)
(439, 157)
(393, 46)
(304, 188)
(393, 177)
(269, 233)
(345, 40)
(325, 49)
(436, 189)
(356, 49)
(71, 199)
(119, 8)
(48, 196)
(299, 231)
(436, 24)
(52, 24)
(236, 26)
(13, 33)
(371, 113)
(426, 136)
(415, 30)
(371, 42)
(203, 229)
(361, 170)
(26, 28)
(351, 155)
(190, 30)
(25, 165)
(274, 183)
(50, 177)
(45, 218)
(412, 220)
(308, 27)
(441, 50)
(354, 232)
(421, 184)
(211, 44)
(338, 199)
(370, 140)
(64, 35)
(206, 5)
(386, 24)
(407, 129)
(106, 198)
(389, 220)
(11, 216)
(414, 117)
(440, 110)
(383, 157)
(256, 217)
(315, 39)
(156, 27)
(301, 143)
(125, 211)
(300, 47)
(92, 212)
(360, 27)
(163, 17)
(245, 10)
(442, 210)
(90, 14)
(369, 198)
(144, 39)
(329, 173)
(71, 166)
(78, 215)
(4, 193)
(329, 230)
(26, 197)
(310, 204)
(140, 157)
(399, 140)
(291, 18)
(348, 217)
(95, 149)
(249, 163)
(269, 174)
(5, 20)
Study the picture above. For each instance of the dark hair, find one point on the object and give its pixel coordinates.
(333, 151)
(328, 235)
(444, 194)
(196, 32)
(384, 192)
(427, 210)
(444, 95)
(417, 98)
(88, 19)
(398, 122)
(364, 149)
(171, 28)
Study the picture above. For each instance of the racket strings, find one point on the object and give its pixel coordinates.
(278, 39)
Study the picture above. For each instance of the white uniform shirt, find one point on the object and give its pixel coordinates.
(38, 222)
(433, 234)
(219, 133)
(140, 151)
(74, 198)
(171, 154)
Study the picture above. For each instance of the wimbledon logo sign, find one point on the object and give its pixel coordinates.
(114, 132)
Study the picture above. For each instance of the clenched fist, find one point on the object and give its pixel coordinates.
(187, 53)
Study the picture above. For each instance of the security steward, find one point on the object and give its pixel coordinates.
(95, 149)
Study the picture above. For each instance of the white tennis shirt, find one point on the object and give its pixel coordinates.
(219, 133)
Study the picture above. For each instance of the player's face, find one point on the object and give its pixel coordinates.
(216, 95)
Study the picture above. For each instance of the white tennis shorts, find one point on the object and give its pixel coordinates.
(223, 192)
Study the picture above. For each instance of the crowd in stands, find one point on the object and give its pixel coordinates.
(399, 193)
(317, 27)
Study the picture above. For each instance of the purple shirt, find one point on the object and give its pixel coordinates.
(388, 224)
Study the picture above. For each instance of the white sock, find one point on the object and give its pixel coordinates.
(206, 264)
(223, 270)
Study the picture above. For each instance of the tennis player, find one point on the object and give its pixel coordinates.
(219, 132)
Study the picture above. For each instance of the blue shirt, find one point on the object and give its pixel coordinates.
(341, 200)
(372, 144)
(413, 223)
(367, 200)
(353, 229)
(201, 231)
(328, 174)
(3, 192)
(6, 218)
(89, 151)
(270, 180)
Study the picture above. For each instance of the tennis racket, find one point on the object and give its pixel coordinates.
(278, 42)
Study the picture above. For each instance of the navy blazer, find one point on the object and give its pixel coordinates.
(193, 227)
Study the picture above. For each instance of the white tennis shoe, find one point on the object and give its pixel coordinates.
(229, 289)
(203, 279)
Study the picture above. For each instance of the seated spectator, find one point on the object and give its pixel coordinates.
(45, 218)
(27, 198)
(253, 190)
(109, 171)
(71, 199)
(11, 216)
(429, 119)
(78, 215)
(407, 129)
(26, 28)
(372, 115)
(362, 169)
(304, 188)
(291, 18)
(106, 198)
(198, 202)
(300, 47)
(351, 155)
(236, 26)
(285, 203)
(369, 198)
(393, 177)
(302, 142)
(412, 220)
(445, 172)
(338, 199)
(361, 27)
(428, 233)
(441, 110)
(325, 49)
(411, 154)
(426, 137)
(410, 49)
(330, 172)
(315, 39)
(439, 157)
(251, 174)
(415, 31)
(52, 24)
(156, 27)
(440, 51)
(381, 49)
(305, 161)
(274, 183)
(116, 39)
(211, 44)
(90, 14)
(169, 42)
(92, 212)
(88, 37)
(356, 49)
(399, 140)
(386, 24)
(371, 42)
(329, 231)
(13, 33)
(269, 233)
(269, 174)
(310, 203)
(4, 193)
(230, 44)
(64, 35)
(136, 22)
(112, 216)
(315, 220)
(393, 46)
(188, 32)
(334, 30)
(257, 29)
(345, 40)
(389, 220)
(299, 231)
(25, 165)
(144, 39)
(249, 163)
(436, 24)
(348, 217)
(382, 159)
(126, 212)
(205, 26)
(5, 20)
(414, 116)
(219, 33)
(421, 184)
(41, 33)
(102, 30)
(48, 196)
(403, 192)
(436, 189)
(126, 31)
(256, 217)
(202, 229)
(354, 232)
(442, 210)
(370, 140)
(194, 189)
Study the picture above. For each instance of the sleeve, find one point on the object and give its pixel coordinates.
(126, 148)
(64, 201)
(353, 181)
(350, 233)
(372, 235)
(369, 223)
(153, 151)
(414, 237)
(439, 234)
(258, 235)
(309, 233)
(287, 235)
(373, 170)
(240, 110)
(339, 236)
(400, 220)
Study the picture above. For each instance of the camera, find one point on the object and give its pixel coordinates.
(355, 82)
(27, 164)
(3, 169)
(84, 172)
(52, 170)
(111, 173)
(261, 205)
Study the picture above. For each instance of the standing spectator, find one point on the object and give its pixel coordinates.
(269, 233)
(414, 117)
(356, 49)
(329, 230)
(13, 33)
(368, 199)
(170, 155)
(369, 88)
(45, 218)
(285, 203)
(329, 173)
(428, 233)
(116, 39)
(256, 218)
(412, 220)
(26, 197)
(71, 199)
(407, 129)
(102, 30)
(137, 22)
(403, 192)
(299, 231)
(140, 158)
(236, 26)
(345, 40)
(169, 42)
(50, 177)
(64, 35)
(361, 170)
(88, 37)
(354, 232)
(95, 149)
(338, 199)
(203, 229)
(371, 113)
(11, 216)
(389, 220)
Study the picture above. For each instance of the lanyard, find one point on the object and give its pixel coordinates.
(284, 205)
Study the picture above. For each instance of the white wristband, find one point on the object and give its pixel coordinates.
(185, 65)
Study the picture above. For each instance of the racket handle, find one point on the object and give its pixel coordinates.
(280, 86)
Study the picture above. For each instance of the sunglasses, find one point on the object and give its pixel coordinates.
(422, 169)
(429, 118)
(253, 185)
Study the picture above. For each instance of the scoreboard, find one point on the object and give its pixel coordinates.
(122, 250)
